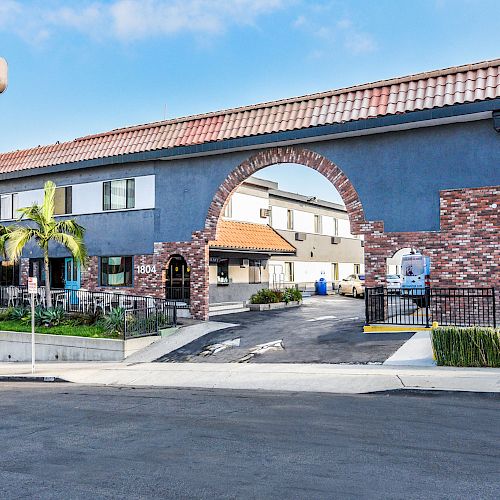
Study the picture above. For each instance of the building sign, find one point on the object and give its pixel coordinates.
(214, 260)
(146, 269)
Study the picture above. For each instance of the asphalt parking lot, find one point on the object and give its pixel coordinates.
(323, 330)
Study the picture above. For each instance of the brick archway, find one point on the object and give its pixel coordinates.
(301, 156)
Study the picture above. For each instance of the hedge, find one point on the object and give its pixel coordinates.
(466, 346)
(266, 296)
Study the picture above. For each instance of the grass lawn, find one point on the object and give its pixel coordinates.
(78, 330)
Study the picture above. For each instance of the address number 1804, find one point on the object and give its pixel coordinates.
(146, 269)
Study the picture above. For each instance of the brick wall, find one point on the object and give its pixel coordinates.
(195, 252)
(464, 253)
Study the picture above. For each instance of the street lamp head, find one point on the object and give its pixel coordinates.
(3, 74)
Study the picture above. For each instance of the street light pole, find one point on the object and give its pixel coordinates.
(3, 74)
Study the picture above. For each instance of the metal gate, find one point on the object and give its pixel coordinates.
(447, 306)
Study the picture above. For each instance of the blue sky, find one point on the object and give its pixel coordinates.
(80, 67)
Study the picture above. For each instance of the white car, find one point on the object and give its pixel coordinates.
(393, 282)
(353, 285)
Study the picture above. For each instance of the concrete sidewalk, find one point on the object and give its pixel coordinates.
(346, 379)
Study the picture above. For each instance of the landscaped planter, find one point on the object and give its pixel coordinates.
(274, 305)
(16, 346)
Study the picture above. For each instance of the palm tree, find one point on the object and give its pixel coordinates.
(43, 228)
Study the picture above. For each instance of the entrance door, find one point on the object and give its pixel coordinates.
(71, 274)
(72, 278)
(177, 280)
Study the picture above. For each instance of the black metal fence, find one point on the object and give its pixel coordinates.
(149, 320)
(142, 315)
(178, 293)
(447, 306)
(83, 301)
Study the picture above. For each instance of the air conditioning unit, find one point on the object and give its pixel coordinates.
(264, 212)
(335, 240)
(300, 236)
(245, 263)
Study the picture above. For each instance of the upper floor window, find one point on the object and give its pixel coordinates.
(118, 195)
(318, 224)
(8, 206)
(289, 219)
(63, 200)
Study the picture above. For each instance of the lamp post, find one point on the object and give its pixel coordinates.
(3, 74)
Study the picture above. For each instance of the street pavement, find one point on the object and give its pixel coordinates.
(323, 330)
(70, 441)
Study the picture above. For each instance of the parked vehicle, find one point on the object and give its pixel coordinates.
(393, 282)
(353, 285)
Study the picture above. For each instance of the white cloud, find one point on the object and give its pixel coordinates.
(333, 32)
(359, 43)
(131, 19)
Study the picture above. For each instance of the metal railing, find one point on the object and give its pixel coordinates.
(447, 306)
(143, 315)
(179, 294)
(82, 301)
(149, 320)
(303, 286)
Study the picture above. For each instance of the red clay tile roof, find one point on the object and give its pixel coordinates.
(248, 236)
(457, 85)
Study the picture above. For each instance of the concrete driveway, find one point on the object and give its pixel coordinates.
(323, 330)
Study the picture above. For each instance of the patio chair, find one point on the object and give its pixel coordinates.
(12, 296)
(103, 301)
(40, 297)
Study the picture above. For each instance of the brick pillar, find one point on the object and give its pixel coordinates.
(199, 278)
(195, 252)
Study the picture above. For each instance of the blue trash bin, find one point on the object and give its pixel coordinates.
(321, 286)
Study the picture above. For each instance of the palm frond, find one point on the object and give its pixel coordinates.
(70, 226)
(4, 235)
(17, 240)
(47, 207)
(74, 244)
(33, 213)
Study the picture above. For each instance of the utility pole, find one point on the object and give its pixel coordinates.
(3, 74)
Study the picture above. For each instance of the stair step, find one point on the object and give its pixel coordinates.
(220, 312)
(218, 306)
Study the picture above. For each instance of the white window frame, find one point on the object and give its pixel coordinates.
(13, 205)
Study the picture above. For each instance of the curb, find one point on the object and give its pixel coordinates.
(394, 329)
(31, 378)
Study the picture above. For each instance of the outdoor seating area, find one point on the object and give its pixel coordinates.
(82, 301)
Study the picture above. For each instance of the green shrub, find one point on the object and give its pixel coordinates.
(265, 296)
(5, 314)
(292, 295)
(466, 346)
(52, 317)
(19, 313)
(114, 322)
(81, 319)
